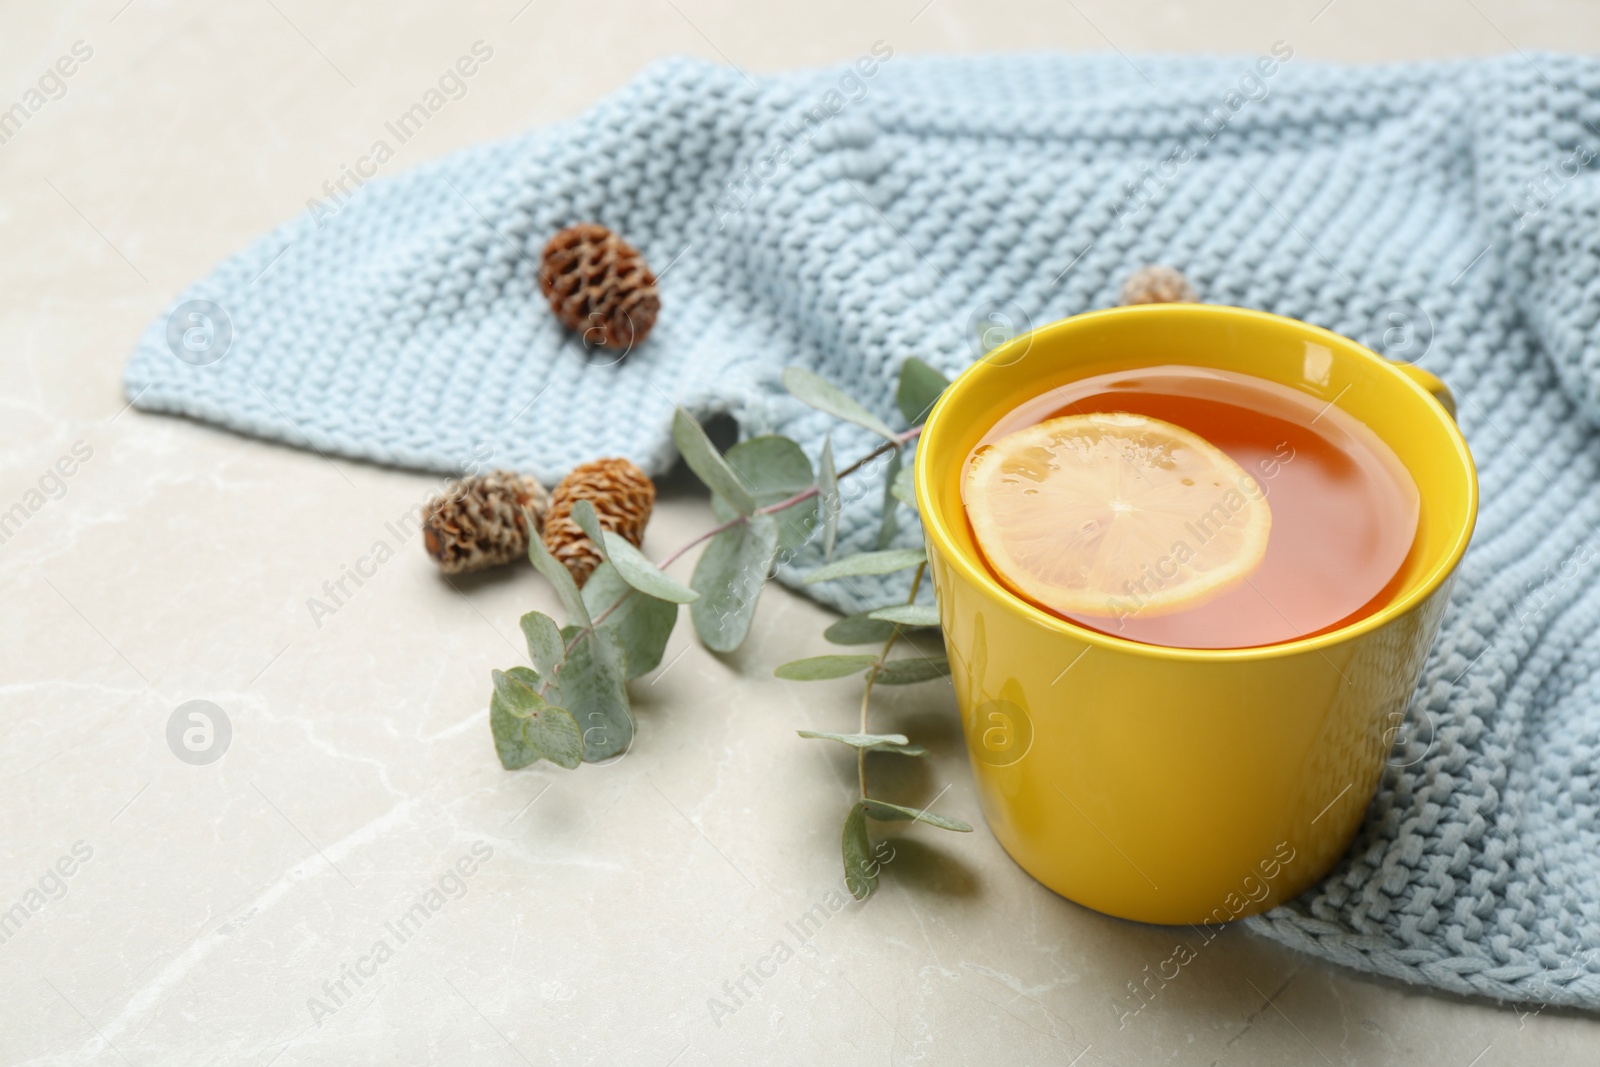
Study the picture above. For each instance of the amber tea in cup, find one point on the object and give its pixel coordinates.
(1192, 508)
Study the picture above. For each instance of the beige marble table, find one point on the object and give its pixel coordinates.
(187, 914)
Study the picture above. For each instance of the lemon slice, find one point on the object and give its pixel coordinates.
(1115, 515)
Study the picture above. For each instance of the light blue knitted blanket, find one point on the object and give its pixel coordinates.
(846, 219)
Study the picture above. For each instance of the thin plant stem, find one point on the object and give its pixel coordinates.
(872, 676)
(708, 535)
(900, 440)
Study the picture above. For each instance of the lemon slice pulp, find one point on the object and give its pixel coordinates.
(1115, 515)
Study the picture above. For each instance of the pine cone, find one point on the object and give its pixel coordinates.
(478, 522)
(598, 284)
(1155, 284)
(622, 496)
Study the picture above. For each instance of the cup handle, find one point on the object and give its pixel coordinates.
(1441, 392)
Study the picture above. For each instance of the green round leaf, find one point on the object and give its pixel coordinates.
(642, 623)
(527, 729)
(643, 575)
(545, 645)
(593, 687)
(527, 677)
(772, 464)
(776, 469)
(729, 578)
(518, 688)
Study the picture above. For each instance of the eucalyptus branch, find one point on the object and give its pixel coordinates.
(573, 706)
(901, 440)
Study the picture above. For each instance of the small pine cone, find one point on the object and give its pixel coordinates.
(478, 522)
(1155, 284)
(598, 284)
(622, 496)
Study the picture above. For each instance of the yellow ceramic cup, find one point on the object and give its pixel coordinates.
(1178, 785)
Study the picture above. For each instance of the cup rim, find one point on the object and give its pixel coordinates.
(936, 525)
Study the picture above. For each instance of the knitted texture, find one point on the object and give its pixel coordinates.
(844, 222)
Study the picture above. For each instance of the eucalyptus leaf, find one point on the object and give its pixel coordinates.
(588, 520)
(593, 687)
(820, 668)
(643, 575)
(897, 743)
(529, 678)
(858, 630)
(545, 646)
(913, 669)
(903, 487)
(510, 739)
(909, 614)
(816, 391)
(920, 386)
(554, 734)
(642, 623)
(729, 578)
(883, 811)
(777, 469)
(882, 562)
(526, 729)
(771, 464)
(558, 576)
(889, 525)
(707, 463)
(860, 866)
(828, 499)
(629, 562)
